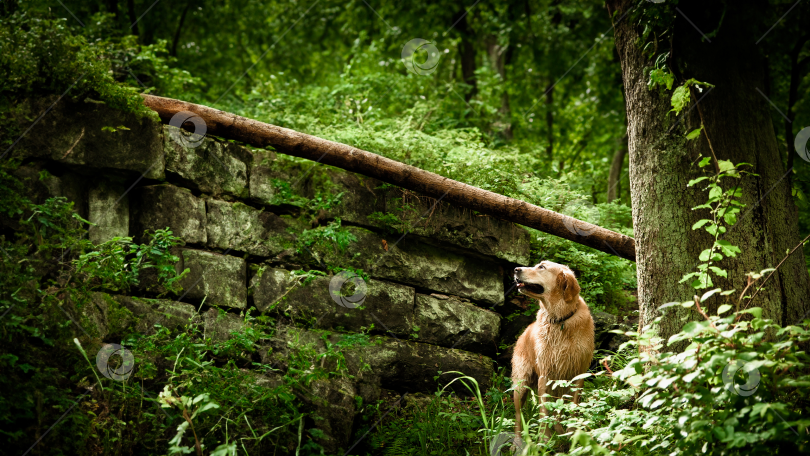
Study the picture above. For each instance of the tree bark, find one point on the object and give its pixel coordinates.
(615, 174)
(662, 161)
(259, 134)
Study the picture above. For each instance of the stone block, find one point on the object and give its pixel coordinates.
(388, 306)
(449, 322)
(445, 225)
(72, 133)
(261, 176)
(108, 210)
(420, 264)
(105, 317)
(157, 207)
(360, 197)
(394, 363)
(240, 227)
(603, 323)
(114, 316)
(220, 279)
(40, 185)
(451, 226)
(213, 167)
(220, 326)
(267, 167)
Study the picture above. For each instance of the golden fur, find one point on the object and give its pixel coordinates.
(550, 348)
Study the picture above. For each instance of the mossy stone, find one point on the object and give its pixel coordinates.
(212, 167)
(219, 279)
(155, 207)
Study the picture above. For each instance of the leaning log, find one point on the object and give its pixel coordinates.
(290, 142)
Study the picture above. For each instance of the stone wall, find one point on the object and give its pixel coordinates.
(433, 300)
(436, 273)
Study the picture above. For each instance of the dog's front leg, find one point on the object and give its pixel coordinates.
(579, 385)
(542, 387)
(518, 395)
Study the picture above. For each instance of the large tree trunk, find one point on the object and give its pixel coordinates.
(615, 174)
(259, 134)
(797, 71)
(738, 124)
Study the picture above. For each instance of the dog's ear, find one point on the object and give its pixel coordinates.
(568, 284)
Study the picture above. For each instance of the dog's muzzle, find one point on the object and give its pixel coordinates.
(524, 287)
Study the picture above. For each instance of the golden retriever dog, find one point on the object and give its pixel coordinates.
(559, 344)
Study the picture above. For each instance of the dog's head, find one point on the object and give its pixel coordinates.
(548, 282)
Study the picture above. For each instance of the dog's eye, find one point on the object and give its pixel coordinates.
(541, 267)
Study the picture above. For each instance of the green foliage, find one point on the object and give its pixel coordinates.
(47, 275)
(723, 206)
(661, 77)
(42, 56)
(681, 95)
(333, 236)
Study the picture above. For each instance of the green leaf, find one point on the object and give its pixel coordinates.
(700, 223)
(728, 249)
(725, 165)
(695, 181)
(704, 255)
(680, 98)
(709, 294)
(755, 311)
(723, 309)
(718, 271)
(705, 161)
(694, 133)
(730, 218)
(660, 76)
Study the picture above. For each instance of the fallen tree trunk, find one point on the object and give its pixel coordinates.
(290, 142)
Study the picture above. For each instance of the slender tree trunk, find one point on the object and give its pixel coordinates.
(615, 174)
(132, 16)
(467, 53)
(112, 7)
(176, 38)
(550, 122)
(737, 120)
(500, 57)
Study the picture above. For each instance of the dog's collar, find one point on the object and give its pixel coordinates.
(561, 321)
